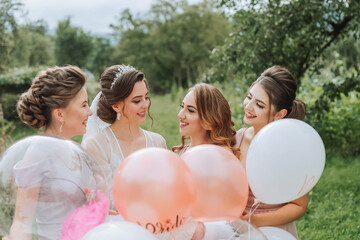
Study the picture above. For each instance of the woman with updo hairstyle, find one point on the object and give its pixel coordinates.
(271, 97)
(113, 132)
(57, 101)
(205, 118)
(53, 175)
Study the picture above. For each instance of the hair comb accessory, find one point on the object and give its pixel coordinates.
(121, 70)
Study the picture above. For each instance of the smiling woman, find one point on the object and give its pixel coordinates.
(50, 173)
(271, 97)
(205, 118)
(113, 132)
(56, 100)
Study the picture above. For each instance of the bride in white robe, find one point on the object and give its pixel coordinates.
(113, 131)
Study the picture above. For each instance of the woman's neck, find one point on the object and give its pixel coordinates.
(257, 129)
(251, 132)
(125, 130)
(54, 130)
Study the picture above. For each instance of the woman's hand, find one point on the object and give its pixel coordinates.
(199, 232)
(90, 195)
(245, 216)
(111, 212)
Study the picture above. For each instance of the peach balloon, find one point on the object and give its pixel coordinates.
(154, 188)
(221, 183)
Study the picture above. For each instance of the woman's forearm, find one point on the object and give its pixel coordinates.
(288, 213)
(17, 232)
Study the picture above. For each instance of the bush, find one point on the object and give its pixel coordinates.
(6, 130)
(339, 127)
(12, 83)
(9, 102)
(19, 77)
(334, 107)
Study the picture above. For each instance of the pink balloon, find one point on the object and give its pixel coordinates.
(221, 183)
(154, 188)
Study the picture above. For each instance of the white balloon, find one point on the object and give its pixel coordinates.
(218, 230)
(274, 233)
(119, 230)
(284, 161)
(234, 230)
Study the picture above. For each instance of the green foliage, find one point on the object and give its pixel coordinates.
(102, 55)
(292, 34)
(6, 130)
(9, 102)
(72, 45)
(340, 128)
(339, 125)
(12, 84)
(18, 130)
(333, 107)
(7, 195)
(7, 207)
(18, 77)
(334, 203)
(8, 29)
(172, 45)
(347, 49)
(32, 47)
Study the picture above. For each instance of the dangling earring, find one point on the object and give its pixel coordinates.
(118, 115)
(61, 126)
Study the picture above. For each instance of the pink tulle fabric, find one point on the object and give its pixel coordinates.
(84, 218)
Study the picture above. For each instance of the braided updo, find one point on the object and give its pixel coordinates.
(50, 89)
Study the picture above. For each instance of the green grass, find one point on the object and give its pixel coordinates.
(334, 204)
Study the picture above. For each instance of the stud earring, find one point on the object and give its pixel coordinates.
(118, 115)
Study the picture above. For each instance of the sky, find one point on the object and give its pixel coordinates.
(94, 16)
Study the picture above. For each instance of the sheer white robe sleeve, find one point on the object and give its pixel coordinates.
(101, 153)
(51, 181)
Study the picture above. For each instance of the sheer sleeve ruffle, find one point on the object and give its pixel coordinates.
(54, 177)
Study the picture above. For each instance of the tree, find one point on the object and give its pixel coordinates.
(289, 33)
(173, 43)
(32, 46)
(72, 45)
(8, 29)
(102, 55)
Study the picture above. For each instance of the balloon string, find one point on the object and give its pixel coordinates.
(256, 204)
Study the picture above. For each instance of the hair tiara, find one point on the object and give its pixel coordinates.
(121, 70)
